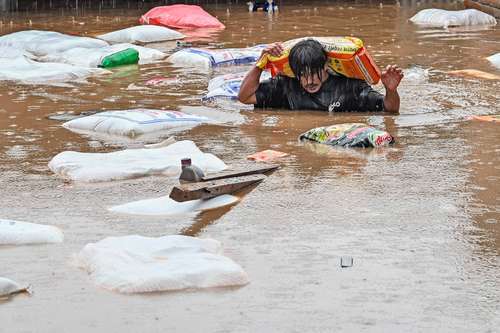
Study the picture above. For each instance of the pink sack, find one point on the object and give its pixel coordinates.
(181, 16)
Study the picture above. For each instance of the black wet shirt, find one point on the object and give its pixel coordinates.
(337, 94)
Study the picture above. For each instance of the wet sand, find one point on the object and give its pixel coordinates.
(420, 219)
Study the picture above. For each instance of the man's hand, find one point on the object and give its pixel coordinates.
(274, 49)
(391, 77)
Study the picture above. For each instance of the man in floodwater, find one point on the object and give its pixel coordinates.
(315, 88)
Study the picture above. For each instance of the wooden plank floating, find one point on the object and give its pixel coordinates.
(492, 7)
(250, 171)
(213, 188)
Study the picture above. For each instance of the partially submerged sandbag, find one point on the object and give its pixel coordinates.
(18, 233)
(495, 60)
(22, 69)
(42, 43)
(96, 57)
(181, 16)
(9, 287)
(141, 34)
(346, 56)
(228, 85)
(449, 18)
(208, 58)
(132, 163)
(134, 122)
(137, 264)
(349, 135)
(164, 206)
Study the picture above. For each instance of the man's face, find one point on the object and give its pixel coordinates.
(312, 83)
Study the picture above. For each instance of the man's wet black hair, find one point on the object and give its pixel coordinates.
(307, 57)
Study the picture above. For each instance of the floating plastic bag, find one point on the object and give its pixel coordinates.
(349, 135)
(22, 69)
(228, 86)
(266, 155)
(136, 264)
(205, 58)
(448, 18)
(95, 57)
(132, 163)
(495, 60)
(346, 56)
(475, 74)
(141, 34)
(491, 118)
(165, 206)
(42, 43)
(9, 287)
(134, 122)
(18, 233)
(181, 16)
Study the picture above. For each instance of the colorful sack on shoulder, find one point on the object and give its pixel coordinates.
(349, 135)
(346, 56)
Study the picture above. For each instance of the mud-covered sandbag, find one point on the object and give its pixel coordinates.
(132, 163)
(95, 57)
(181, 16)
(17, 66)
(137, 264)
(495, 60)
(141, 34)
(228, 86)
(346, 56)
(41, 43)
(164, 206)
(208, 58)
(452, 18)
(133, 122)
(348, 135)
(18, 233)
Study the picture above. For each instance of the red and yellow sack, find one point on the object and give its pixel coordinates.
(346, 56)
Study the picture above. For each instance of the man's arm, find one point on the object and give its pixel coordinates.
(250, 83)
(391, 77)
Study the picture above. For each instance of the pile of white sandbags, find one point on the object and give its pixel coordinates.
(448, 18)
(136, 264)
(132, 163)
(133, 122)
(141, 34)
(19, 233)
(209, 58)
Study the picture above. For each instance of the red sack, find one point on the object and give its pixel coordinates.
(181, 16)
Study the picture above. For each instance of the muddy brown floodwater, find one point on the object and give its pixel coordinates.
(421, 219)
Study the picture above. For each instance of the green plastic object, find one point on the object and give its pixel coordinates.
(125, 57)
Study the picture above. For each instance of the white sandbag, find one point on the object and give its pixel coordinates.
(9, 287)
(495, 60)
(134, 122)
(141, 34)
(448, 18)
(17, 233)
(132, 163)
(206, 58)
(93, 58)
(165, 206)
(24, 70)
(41, 43)
(136, 264)
(228, 86)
